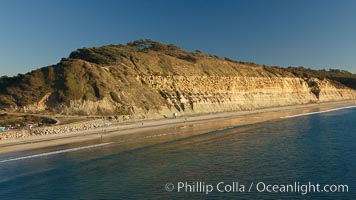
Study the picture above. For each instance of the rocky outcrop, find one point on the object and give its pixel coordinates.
(328, 90)
(202, 94)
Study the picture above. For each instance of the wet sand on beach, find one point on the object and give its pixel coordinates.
(197, 124)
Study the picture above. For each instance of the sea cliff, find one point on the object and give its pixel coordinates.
(146, 79)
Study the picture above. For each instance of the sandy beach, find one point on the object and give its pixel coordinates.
(206, 122)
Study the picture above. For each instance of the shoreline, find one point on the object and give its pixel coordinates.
(141, 127)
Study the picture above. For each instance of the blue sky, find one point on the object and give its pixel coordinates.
(310, 33)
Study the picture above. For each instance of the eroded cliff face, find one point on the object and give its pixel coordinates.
(207, 94)
(203, 94)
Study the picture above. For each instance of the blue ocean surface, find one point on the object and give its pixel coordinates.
(306, 150)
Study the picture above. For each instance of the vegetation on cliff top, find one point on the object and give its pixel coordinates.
(111, 54)
(346, 78)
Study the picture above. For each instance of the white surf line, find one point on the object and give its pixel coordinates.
(342, 108)
(313, 113)
(55, 152)
(84, 147)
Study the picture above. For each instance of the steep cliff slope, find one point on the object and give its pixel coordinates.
(147, 79)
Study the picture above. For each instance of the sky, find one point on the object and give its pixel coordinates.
(311, 33)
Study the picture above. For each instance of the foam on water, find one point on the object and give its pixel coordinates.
(55, 152)
(86, 147)
(313, 113)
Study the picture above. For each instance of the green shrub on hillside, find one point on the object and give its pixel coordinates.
(105, 55)
(342, 76)
(147, 44)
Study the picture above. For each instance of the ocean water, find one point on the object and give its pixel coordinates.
(316, 149)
